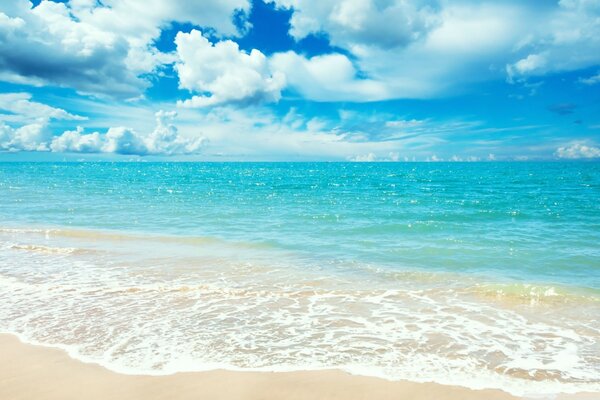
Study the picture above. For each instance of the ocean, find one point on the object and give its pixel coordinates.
(485, 275)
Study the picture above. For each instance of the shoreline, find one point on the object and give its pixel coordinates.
(31, 371)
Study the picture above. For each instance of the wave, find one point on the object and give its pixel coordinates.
(154, 310)
(106, 235)
(167, 327)
(535, 293)
(47, 249)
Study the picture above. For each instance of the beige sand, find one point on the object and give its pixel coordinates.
(33, 372)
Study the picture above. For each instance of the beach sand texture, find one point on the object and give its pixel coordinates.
(35, 372)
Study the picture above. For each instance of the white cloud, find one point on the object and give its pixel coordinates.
(122, 140)
(77, 141)
(392, 156)
(21, 109)
(391, 48)
(164, 140)
(370, 157)
(578, 150)
(98, 47)
(465, 44)
(430, 48)
(31, 118)
(51, 47)
(592, 80)
(526, 66)
(456, 158)
(563, 38)
(330, 77)
(352, 135)
(351, 23)
(31, 137)
(260, 133)
(226, 73)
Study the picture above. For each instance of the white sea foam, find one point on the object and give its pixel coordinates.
(45, 249)
(135, 311)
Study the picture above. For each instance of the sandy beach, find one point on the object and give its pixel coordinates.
(35, 372)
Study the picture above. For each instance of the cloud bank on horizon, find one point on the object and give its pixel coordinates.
(361, 80)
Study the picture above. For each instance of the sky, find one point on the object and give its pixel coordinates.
(299, 80)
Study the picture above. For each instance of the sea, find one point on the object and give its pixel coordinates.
(484, 275)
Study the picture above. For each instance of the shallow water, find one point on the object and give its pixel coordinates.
(484, 275)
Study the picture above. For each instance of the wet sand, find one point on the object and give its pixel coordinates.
(35, 372)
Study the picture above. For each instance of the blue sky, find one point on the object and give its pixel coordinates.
(364, 80)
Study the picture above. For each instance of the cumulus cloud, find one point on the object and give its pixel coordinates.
(527, 65)
(370, 157)
(224, 73)
(463, 44)
(578, 150)
(30, 137)
(77, 142)
(46, 45)
(351, 23)
(566, 38)
(329, 77)
(391, 48)
(24, 122)
(425, 49)
(164, 140)
(98, 47)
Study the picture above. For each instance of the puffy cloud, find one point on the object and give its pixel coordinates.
(21, 108)
(150, 15)
(467, 43)
(33, 117)
(329, 77)
(77, 142)
(51, 47)
(97, 47)
(125, 141)
(370, 157)
(566, 38)
(527, 65)
(426, 49)
(578, 150)
(226, 73)
(164, 140)
(352, 23)
(31, 137)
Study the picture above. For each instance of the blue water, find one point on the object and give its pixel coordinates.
(522, 221)
(485, 275)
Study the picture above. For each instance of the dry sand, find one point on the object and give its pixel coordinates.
(34, 372)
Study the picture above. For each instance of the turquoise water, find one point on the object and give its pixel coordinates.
(521, 221)
(422, 255)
